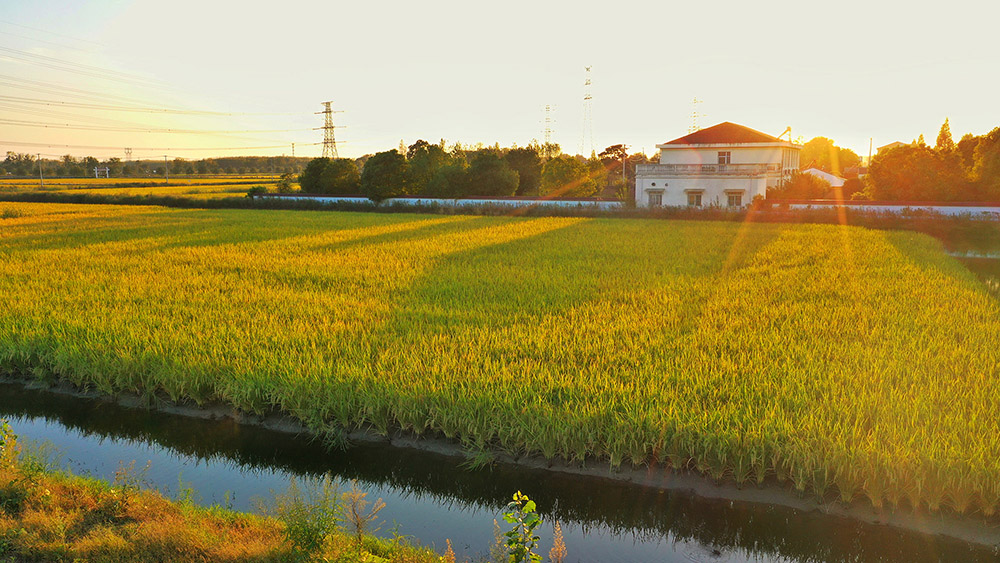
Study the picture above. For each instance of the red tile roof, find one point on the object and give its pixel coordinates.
(724, 133)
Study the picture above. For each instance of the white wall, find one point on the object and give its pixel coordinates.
(455, 202)
(745, 154)
(675, 190)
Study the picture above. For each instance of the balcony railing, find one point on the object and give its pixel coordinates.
(706, 169)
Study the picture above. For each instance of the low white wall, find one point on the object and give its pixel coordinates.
(992, 212)
(458, 202)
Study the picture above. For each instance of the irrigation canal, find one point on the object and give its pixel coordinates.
(431, 497)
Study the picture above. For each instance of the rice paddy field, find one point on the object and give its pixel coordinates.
(847, 363)
(211, 187)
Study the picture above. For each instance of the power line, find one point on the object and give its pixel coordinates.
(51, 33)
(63, 90)
(81, 105)
(37, 40)
(78, 68)
(20, 123)
(95, 147)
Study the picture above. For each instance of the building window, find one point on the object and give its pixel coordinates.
(655, 199)
(735, 200)
(725, 157)
(694, 199)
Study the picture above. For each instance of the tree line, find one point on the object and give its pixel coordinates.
(968, 170)
(435, 170)
(24, 164)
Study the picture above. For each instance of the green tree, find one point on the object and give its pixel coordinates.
(489, 175)
(528, 164)
(18, 164)
(309, 179)
(967, 150)
(330, 176)
(385, 176)
(450, 181)
(565, 176)
(340, 177)
(613, 156)
(823, 154)
(425, 160)
(944, 140)
(917, 172)
(987, 166)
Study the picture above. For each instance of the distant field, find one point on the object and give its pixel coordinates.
(96, 182)
(201, 187)
(842, 360)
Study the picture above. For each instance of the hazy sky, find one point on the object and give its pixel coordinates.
(482, 72)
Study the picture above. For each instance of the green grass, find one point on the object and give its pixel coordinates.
(54, 516)
(839, 360)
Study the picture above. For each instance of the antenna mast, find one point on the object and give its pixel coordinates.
(588, 117)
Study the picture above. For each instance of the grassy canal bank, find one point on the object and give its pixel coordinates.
(55, 516)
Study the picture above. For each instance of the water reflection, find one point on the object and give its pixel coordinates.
(432, 497)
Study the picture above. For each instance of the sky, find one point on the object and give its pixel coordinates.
(252, 75)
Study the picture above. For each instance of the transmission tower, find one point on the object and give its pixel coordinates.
(329, 142)
(694, 116)
(587, 139)
(547, 130)
(128, 154)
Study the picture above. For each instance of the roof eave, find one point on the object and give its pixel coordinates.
(786, 144)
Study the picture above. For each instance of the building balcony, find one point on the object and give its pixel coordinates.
(668, 170)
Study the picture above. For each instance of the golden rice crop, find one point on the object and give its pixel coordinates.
(183, 187)
(32, 182)
(839, 360)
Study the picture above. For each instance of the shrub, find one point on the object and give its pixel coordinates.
(256, 191)
(310, 515)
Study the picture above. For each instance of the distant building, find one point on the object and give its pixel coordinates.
(724, 165)
(891, 146)
(834, 181)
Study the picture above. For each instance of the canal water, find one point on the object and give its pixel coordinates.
(431, 497)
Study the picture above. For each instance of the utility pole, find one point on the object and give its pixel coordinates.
(624, 160)
(41, 181)
(293, 150)
(166, 170)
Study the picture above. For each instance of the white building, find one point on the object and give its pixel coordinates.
(834, 181)
(724, 165)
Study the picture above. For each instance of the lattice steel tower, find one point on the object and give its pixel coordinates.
(547, 131)
(694, 116)
(329, 142)
(587, 139)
